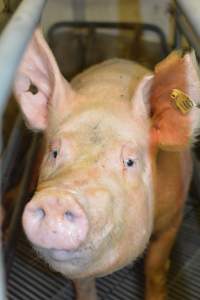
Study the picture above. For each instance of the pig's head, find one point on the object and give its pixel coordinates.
(92, 211)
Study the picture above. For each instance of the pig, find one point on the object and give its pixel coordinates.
(116, 167)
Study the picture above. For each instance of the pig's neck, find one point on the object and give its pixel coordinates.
(174, 171)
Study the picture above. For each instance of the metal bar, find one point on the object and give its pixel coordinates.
(20, 201)
(2, 277)
(188, 32)
(190, 10)
(13, 41)
(177, 34)
(11, 153)
(177, 38)
(114, 25)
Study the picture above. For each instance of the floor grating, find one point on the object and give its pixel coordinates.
(30, 278)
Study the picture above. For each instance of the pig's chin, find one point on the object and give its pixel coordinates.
(73, 263)
(70, 263)
(89, 260)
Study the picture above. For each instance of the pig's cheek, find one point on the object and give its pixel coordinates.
(107, 213)
(46, 168)
(102, 213)
(132, 177)
(50, 164)
(139, 204)
(138, 217)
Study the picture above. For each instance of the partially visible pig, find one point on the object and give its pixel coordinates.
(117, 164)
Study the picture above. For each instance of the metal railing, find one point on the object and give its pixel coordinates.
(13, 42)
(186, 24)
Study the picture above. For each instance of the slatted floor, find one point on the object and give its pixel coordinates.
(30, 278)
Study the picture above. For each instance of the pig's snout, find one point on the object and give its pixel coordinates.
(55, 223)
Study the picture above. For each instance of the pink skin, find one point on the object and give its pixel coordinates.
(45, 221)
(103, 184)
(78, 180)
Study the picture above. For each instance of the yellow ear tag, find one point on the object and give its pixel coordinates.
(182, 101)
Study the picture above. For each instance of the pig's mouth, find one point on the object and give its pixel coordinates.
(62, 255)
(79, 257)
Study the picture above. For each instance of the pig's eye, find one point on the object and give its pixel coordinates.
(129, 156)
(130, 162)
(54, 149)
(54, 153)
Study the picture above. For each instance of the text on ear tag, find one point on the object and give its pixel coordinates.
(182, 101)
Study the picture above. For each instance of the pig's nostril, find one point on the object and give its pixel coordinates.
(69, 216)
(40, 213)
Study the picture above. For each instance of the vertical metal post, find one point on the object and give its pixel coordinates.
(177, 34)
(13, 42)
(2, 277)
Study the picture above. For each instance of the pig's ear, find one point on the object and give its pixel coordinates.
(171, 128)
(141, 105)
(39, 83)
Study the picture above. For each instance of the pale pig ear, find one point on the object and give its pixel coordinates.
(172, 129)
(140, 101)
(39, 83)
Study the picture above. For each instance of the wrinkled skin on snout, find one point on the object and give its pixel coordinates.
(115, 166)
